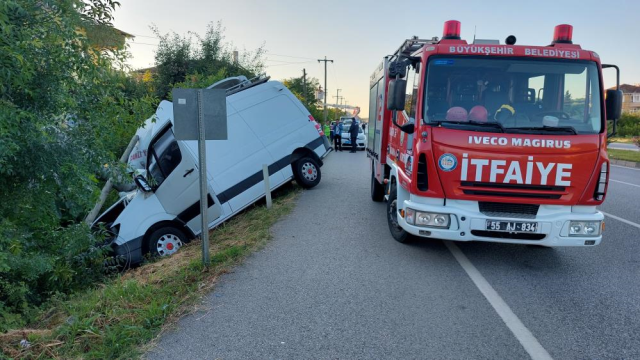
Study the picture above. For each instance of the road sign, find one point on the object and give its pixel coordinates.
(185, 113)
(201, 114)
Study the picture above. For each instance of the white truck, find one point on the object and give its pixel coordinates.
(267, 124)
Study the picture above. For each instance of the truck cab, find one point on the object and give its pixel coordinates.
(490, 142)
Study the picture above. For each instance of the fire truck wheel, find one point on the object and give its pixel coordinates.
(397, 232)
(377, 189)
(307, 172)
(165, 241)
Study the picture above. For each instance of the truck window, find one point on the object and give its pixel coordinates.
(165, 156)
(515, 92)
(411, 97)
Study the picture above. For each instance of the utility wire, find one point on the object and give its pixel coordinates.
(139, 43)
(292, 63)
(146, 36)
(289, 56)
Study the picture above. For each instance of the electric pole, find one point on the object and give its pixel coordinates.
(325, 86)
(304, 85)
(338, 99)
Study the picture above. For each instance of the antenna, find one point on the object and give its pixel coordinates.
(474, 33)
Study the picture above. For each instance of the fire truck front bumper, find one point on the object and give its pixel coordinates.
(458, 220)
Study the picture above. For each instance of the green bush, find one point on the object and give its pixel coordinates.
(181, 62)
(66, 108)
(629, 125)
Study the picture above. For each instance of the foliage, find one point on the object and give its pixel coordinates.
(308, 98)
(203, 57)
(629, 125)
(113, 321)
(65, 109)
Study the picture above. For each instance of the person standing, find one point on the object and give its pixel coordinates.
(337, 135)
(353, 132)
(332, 134)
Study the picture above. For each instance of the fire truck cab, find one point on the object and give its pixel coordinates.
(491, 142)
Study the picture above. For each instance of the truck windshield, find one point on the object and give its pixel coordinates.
(522, 96)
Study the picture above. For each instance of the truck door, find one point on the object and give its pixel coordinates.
(174, 175)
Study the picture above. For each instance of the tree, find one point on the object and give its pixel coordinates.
(190, 59)
(308, 98)
(65, 110)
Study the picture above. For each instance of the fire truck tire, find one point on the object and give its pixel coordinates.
(398, 233)
(377, 189)
(165, 241)
(307, 172)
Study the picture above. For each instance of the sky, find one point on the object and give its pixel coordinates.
(357, 34)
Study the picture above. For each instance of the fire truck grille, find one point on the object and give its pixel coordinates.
(522, 211)
(423, 181)
(506, 235)
(515, 190)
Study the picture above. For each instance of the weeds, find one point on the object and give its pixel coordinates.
(116, 319)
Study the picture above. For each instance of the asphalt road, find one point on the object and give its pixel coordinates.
(623, 146)
(334, 284)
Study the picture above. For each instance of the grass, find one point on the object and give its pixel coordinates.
(627, 140)
(626, 155)
(119, 318)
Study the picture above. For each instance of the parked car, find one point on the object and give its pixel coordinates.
(346, 137)
(267, 124)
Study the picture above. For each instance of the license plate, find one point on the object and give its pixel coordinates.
(512, 226)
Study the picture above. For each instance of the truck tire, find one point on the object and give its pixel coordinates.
(165, 241)
(398, 233)
(377, 189)
(307, 172)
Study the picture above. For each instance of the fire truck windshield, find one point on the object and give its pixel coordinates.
(521, 95)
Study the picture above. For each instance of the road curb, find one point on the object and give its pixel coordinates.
(631, 164)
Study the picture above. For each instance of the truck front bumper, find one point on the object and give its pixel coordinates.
(467, 223)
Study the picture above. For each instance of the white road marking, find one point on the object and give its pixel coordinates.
(626, 183)
(626, 167)
(621, 219)
(524, 336)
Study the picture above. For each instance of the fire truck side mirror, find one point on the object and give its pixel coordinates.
(613, 104)
(408, 128)
(396, 94)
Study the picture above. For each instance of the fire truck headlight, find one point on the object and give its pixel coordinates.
(431, 219)
(410, 216)
(584, 228)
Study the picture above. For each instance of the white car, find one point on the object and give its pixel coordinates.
(346, 137)
(267, 124)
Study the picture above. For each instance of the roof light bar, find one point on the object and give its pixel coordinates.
(563, 34)
(451, 30)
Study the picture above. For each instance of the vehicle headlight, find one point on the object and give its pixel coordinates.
(427, 219)
(410, 216)
(584, 228)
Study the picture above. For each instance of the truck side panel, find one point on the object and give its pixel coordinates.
(378, 119)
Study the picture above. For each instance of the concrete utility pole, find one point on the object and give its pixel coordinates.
(338, 99)
(325, 86)
(304, 85)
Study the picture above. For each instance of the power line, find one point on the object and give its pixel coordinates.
(145, 36)
(293, 63)
(289, 56)
(139, 43)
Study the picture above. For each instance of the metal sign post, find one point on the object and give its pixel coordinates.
(204, 191)
(201, 114)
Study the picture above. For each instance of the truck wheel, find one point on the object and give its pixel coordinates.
(397, 232)
(307, 172)
(165, 241)
(377, 189)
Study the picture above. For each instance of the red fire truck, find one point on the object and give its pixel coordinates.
(491, 142)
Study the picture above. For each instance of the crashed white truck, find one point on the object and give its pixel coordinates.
(267, 124)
